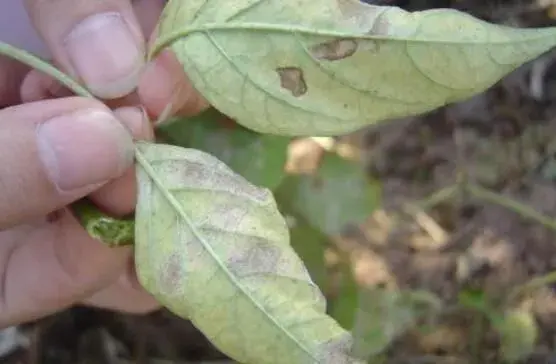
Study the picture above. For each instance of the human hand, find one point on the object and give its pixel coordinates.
(47, 261)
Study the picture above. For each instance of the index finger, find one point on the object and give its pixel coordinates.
(97, 42)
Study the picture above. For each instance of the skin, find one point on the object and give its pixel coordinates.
(47, 261)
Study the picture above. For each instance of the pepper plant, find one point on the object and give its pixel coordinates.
(210, 243)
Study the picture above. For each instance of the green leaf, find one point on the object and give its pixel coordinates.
(344, 306)
(476, 299)
(518, 335)
(214, 249)
(384, 314)
(257, 157)
(310, 245)
(339, 193)
(328, 67)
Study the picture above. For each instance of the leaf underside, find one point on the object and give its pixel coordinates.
(214, 249)
(328, 67)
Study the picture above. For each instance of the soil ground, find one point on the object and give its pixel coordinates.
(500, 139)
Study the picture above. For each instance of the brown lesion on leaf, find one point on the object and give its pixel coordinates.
(292, 79)
(369, 19)
(334, 50)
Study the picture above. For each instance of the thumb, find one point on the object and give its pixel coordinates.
(55, 152)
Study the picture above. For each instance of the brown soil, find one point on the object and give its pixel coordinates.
(500, 139)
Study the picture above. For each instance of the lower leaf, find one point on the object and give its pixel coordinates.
(213, 248)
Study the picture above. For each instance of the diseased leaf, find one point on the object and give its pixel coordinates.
(257, 157)
(328, 67)
(339, 193)
(214, 249)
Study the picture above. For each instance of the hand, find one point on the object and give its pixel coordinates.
(55, 151)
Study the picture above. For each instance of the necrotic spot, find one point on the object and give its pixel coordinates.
(291, 78)
(334, 50)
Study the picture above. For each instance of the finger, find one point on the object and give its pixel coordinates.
(148, 12)
(50, 265)
(12, 74)
(37, 86)
(118, 197)
(98, 42)
(126, 294)
(165, 89)
(54, 152)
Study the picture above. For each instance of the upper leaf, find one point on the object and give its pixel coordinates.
(213, 248)
(257, 157)
(327, 67)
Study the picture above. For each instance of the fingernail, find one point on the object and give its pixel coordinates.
(84, 148)
(105, 54)
(167, 90)
(136, 120)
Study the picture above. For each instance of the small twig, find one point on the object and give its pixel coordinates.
(437, 197)
(531, 285)
(519, 208)
(45, 67)
(428, 224)
(326, 143)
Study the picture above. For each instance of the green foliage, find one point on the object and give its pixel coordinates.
(518, 335)
(310, 244)
(209, 240)
(257, 157)
(384, 314)
(305, 67)
(339, 193)
(517, 328)
(346, 303)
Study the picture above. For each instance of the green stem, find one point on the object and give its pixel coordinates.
(35, 62)
(531, 285)
(519, 208)
(446, 193)
(109, 230)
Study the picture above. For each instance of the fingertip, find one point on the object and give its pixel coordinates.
(165, 89)
(119, 196)
(37, 86)
(12, 74)
(135, 118)
(100, 43)
(126, 294)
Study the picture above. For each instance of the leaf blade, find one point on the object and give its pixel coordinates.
(218, 253)
(301, 67)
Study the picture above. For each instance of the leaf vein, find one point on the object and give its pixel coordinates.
(179, 210)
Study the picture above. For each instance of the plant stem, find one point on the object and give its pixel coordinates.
(532, 284)
(111, 231)
(519, 208)
(446, 193)
(37, 63)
